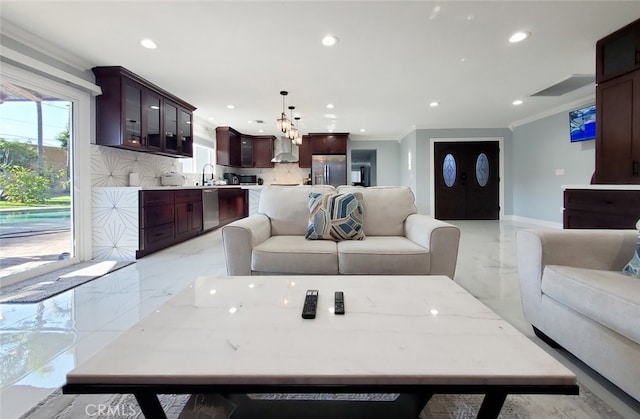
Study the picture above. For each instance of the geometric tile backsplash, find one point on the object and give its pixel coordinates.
(112, 166)
(114, 213)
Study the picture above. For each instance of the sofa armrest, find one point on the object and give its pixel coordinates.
(589, 249)
(238, 240)
(441, 238)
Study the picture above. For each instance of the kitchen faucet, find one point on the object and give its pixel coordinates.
(203, 168)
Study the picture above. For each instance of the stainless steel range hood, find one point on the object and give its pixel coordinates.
(283, 152)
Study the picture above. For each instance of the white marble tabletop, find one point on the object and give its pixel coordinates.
(423, 330)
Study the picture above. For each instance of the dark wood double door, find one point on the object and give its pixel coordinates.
(467, 180)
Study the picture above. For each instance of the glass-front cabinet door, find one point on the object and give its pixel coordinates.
(186, 133)
(170, 128)
(132, 132)
(152, 122)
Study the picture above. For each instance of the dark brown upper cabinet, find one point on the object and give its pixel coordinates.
(321, 143)
(242, 150)
(618, 53)
(227, 147)
(262, 151)
(134, 114)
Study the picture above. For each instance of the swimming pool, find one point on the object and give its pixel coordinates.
(34, 215)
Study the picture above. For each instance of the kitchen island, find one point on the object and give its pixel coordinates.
(132, 222)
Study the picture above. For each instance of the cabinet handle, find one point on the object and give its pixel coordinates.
(635, 164)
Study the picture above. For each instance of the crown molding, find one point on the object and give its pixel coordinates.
(47, 69)
(43, 46)
(586, 100)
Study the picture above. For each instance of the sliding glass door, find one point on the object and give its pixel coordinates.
(45, 187)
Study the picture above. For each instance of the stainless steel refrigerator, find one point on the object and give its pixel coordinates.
(328, 169)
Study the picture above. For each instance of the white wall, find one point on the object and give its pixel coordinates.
(542, 150)
(387, 160)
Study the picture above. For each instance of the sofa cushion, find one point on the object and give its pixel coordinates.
(608, 297)
(286, 207)
(335, 216)
(385, 208)
(295, 254)
(383, 255)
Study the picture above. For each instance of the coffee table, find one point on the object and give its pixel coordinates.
(411, 335)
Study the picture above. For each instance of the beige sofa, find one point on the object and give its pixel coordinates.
(398, 240)
(574, 294)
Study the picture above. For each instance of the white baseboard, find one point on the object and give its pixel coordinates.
(534, 221)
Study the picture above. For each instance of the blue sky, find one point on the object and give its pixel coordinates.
(18, 121)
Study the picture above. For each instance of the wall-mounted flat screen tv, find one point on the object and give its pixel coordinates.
(582, 124)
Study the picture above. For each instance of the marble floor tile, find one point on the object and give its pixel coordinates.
(41, 342)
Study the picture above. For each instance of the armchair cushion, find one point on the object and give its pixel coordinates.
(335, 216)
(608, 297)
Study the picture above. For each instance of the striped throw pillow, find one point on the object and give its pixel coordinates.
(335, 216)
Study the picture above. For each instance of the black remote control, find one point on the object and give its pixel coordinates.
(310, 305)
(339, 308)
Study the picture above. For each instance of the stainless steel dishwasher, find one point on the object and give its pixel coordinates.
(210, 210)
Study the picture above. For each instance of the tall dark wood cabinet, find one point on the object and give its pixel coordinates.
(618, 107)
(617, 138)
(618, 130)
(134, 114)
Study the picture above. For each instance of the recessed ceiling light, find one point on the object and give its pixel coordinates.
(210, 118)
(362, 130)
(517, 102)
(330, 106)
(260, 130)
(330, 130)
(230, 107)
(148, 43)
(434, 104)
(329, 41)
(249, 122)
(519, 36)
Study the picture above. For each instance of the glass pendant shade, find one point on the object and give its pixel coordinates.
(293, 133)
(283, 123)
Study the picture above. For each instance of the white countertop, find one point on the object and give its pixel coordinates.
(604, 187)
(396, 330)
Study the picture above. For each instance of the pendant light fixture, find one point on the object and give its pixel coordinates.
(297, 140)
(293, 131)
(283, 123)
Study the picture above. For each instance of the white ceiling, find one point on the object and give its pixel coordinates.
(392, 60)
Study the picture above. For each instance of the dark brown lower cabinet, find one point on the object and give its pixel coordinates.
(596, 208)
(188, 213)
(157, 221)
(233, 204)
(168, 217)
